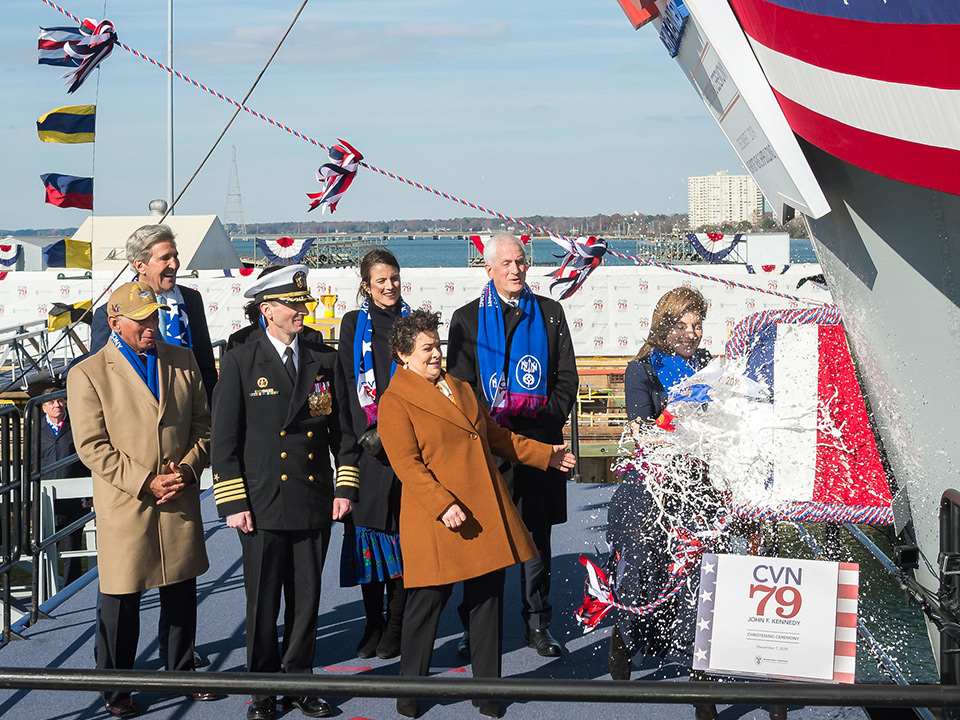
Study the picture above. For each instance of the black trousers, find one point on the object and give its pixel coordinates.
(483, 607)
(291, 562)
(535, 583)
(118, 629)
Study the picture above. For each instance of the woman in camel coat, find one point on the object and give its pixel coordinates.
(457, 520)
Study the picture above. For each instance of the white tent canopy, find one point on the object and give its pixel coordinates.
(202, 242)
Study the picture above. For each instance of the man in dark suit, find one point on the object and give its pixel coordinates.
(497, 343)
(275, 422)
(56, 443)
(255, 329)
(152, 253)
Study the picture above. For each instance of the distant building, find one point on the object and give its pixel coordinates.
(721, 198)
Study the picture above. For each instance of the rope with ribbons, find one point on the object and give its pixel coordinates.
(600, 597)
(576, 249)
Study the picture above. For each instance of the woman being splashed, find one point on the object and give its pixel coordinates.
(655, 502)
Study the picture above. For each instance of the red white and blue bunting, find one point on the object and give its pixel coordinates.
(582, 257)
(336, 176)
(94, 47)
(714, 247)
(767, 269)
(9, 254)
(285, 251)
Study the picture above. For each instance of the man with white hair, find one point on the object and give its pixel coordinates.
(152, 252)
(514, 348)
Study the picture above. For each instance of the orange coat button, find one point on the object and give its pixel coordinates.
(283, 477)
(283, 454)
(282, 433)
(310, 478)
(309, 456)
(309, 433)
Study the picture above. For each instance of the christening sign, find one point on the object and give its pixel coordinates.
(777, 617)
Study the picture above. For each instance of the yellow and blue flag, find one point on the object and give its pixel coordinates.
(71, 124)
(68, 253)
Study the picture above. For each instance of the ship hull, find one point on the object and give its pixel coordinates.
(890, 253)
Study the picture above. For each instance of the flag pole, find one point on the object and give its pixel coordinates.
(170, 188)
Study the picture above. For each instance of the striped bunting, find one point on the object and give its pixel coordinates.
(858, 92)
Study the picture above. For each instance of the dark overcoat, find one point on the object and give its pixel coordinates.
(270, 455)
(540, 496)
(379, 504)
(442, 453)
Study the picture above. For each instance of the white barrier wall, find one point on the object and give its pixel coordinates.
(610, 315)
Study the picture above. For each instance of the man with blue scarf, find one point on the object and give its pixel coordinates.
(142, 426)
(151, 251)
(515, 349)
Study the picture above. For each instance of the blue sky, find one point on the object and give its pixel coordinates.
(526, 107)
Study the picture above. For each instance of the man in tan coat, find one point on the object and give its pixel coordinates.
(142, 426)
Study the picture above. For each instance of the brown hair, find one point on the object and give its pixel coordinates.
(377, 256)
(669, 309)
(403, 333)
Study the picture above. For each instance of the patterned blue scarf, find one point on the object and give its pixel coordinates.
(363, 360)
(174, 323)
(671, 369)
(524, 390)
(147, 372)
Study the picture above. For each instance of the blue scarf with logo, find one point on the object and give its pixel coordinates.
(520, 388)
(147, 371)
(671, 369)
(363, 360)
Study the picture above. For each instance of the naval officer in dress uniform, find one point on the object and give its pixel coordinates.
(274, 423)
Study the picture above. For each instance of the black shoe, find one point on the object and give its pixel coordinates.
(262, 709)
(705, 712)
(309, 706)
(488, 708)
(389, 645)
(122, 707)
(369, 641)
(463, 647)
(544, 643)
(203, 697)
(408, 707)
(619, 656)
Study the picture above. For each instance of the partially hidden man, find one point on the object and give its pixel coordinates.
(275, 420)
(142, 427)
(515, 349)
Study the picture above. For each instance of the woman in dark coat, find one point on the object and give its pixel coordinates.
(640, 558)
(458, 522)
(371, 544)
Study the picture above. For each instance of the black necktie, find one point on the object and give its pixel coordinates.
(288, 364)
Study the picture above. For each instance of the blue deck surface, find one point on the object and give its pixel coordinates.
(67, 641)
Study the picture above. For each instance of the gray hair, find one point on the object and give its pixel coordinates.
(143, 238)
(494, 243)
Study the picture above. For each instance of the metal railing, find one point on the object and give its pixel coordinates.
(33, 472)
(11, 509)
(508, 689)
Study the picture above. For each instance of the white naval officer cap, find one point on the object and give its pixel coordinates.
(286, 285)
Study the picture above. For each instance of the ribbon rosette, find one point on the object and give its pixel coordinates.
(598, 598)
(336, 176)
(97, 43)
(582, 257)
(285, 250)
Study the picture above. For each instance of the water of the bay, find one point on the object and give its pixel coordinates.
(453, 251)
(897, 626)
